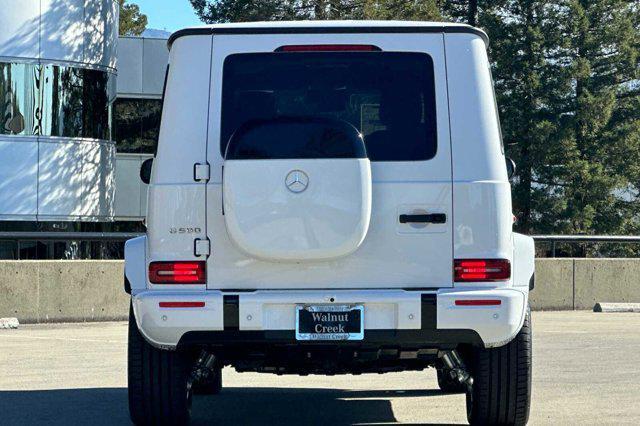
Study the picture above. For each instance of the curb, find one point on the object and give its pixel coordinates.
(616, 307)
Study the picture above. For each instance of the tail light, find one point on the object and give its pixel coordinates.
(178, 272)
(476, 270)
(329, 48)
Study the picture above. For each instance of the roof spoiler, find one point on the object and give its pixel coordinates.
(373, 29)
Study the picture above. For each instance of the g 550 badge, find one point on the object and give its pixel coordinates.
(186, 230)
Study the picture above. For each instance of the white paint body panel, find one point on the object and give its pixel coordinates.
(524, 253)
(266, 220)
(165, 243)
(481, 192)
(496, 325)
(175, 200)
(163, 327)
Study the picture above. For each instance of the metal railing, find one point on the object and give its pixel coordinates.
(69, 236)
(555, 239)
(120, 237)
(64, 245)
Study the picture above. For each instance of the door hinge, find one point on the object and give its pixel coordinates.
(202, 247)
(201, 172)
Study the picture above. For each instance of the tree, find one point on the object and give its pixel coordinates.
(402, 9)
(132, 21)
(597, 116)
(212, 11)
(568, 84)
(461, 10)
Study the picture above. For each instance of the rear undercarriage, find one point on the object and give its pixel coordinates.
(278, 352)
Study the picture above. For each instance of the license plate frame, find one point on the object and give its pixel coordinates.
(349, 333)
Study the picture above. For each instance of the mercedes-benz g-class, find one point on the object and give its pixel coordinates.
(327, 198)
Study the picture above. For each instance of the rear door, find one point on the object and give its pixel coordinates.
(395, 94)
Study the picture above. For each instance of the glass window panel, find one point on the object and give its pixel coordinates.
(137, 125)
(33, 250)
(388, 96)
(95, 101)
(127, 126)
(50, 101)
(8, 250)
(19, 90)
(69, 108)
(76, 102)
(150, 118)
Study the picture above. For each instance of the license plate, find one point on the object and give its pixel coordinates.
(330, 322)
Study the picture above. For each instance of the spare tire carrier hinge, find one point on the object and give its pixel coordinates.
(201, 172)
(202, 247)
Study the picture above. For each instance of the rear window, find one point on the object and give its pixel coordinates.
(388, 96)
(305, 137)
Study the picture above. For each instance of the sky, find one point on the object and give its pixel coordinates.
(169, 15)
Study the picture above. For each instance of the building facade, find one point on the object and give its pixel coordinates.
(57, 88)
(142, 64)
(79, 112)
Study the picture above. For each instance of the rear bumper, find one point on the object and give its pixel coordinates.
(391, 317)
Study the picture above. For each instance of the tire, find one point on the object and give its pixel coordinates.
(158, 382)
(448, 384)
(501, 391)
(211, 386)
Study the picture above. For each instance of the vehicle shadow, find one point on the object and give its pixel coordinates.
(108, 406)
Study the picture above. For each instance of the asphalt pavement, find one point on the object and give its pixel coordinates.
(586, 371)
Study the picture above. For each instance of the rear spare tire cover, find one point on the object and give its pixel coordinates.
(303, 199)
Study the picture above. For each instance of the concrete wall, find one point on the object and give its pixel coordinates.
(57, 291)
(581, 283)
(553, 285)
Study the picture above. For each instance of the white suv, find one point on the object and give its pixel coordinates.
(326, 198)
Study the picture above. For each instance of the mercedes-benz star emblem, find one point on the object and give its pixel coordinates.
(297, 181)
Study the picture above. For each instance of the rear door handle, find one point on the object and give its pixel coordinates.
(423, 218)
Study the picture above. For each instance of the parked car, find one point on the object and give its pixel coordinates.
(327, 198)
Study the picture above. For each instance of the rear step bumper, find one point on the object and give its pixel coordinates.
(438, 319)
